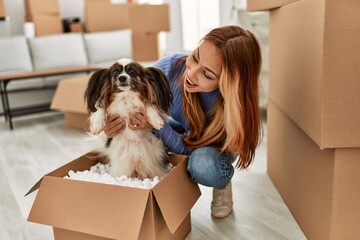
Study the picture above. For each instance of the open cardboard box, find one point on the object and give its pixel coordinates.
(69, 98)
(314, 66)
(80, 210)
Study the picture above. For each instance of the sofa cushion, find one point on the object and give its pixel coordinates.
(15, 56)
(104, 48)
(57, 51)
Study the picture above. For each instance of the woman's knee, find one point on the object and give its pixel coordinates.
(209, 167)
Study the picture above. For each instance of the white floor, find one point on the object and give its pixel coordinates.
(40, 143)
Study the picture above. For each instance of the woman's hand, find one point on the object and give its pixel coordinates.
(114, 126)
(139, 121)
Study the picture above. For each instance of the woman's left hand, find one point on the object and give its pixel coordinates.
(139, 121)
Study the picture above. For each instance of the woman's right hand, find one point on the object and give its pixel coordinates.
(114, 126)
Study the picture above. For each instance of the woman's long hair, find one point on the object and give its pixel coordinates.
(234, 123)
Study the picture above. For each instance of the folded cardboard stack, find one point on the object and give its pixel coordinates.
(314, 112)
(45, 14)
(145, 20)
(80, 210)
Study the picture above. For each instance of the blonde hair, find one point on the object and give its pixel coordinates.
(233, 124)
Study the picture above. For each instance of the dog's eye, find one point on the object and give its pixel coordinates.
(132, 72)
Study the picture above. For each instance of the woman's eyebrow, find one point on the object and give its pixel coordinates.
(207, 68)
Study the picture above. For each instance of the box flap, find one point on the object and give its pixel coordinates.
(79, 164)
(69, 95)
(62, 203)
(262, 5)
(176, 193)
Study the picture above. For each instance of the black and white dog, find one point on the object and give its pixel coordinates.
(124, 89)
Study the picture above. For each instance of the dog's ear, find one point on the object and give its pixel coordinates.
(97, 84)
(162, 94)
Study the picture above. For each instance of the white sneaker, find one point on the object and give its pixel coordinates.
(222, 204)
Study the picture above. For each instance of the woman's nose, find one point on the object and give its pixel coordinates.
(193, 72)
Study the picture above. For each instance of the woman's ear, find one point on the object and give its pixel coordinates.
(95, 88)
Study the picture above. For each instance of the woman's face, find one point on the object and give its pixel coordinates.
(203, 69)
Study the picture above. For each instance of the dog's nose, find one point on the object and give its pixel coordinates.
(122, 79)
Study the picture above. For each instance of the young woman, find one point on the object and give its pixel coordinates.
(215, 116)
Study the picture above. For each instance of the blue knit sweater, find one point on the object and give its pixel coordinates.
(171, 138)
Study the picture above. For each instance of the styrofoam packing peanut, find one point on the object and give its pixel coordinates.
(99, 173)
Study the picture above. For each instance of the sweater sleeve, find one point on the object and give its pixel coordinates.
(172, 139)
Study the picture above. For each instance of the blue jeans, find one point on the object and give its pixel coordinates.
(208, 167)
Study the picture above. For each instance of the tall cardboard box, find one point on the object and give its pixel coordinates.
(47, 24)
(80, 210)
(149, 18)
(145, 46)
(320, 187)
(102, 15)
(257, 5)
(41, 7)
(2, 9)
(314, 67)
(69, 98)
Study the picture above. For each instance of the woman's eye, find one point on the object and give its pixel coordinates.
(207, 76)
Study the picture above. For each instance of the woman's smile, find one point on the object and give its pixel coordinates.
(189, 83)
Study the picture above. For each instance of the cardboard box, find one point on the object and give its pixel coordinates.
(260, 5)
(145, 46)
(76, 27)
(314, 68)
(69, 98)
(87, 210)
(47, 24)
(320, 187)
(2, 9)
(41, 7)
(149, 18)
(101, 15)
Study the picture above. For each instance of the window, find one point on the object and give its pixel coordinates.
(198, 17)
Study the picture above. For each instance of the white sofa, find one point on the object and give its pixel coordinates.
(19, 54)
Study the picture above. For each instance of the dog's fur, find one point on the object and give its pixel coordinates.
(124, 89)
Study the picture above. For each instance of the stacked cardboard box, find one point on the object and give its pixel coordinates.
(2, 9)
(45, 14)
(80, 210)
(145, 20)
(314, 112)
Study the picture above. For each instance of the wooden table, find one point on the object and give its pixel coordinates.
(9, 113)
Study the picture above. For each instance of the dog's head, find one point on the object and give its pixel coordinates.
(126, 75)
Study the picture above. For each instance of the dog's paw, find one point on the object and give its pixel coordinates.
(157, 123)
